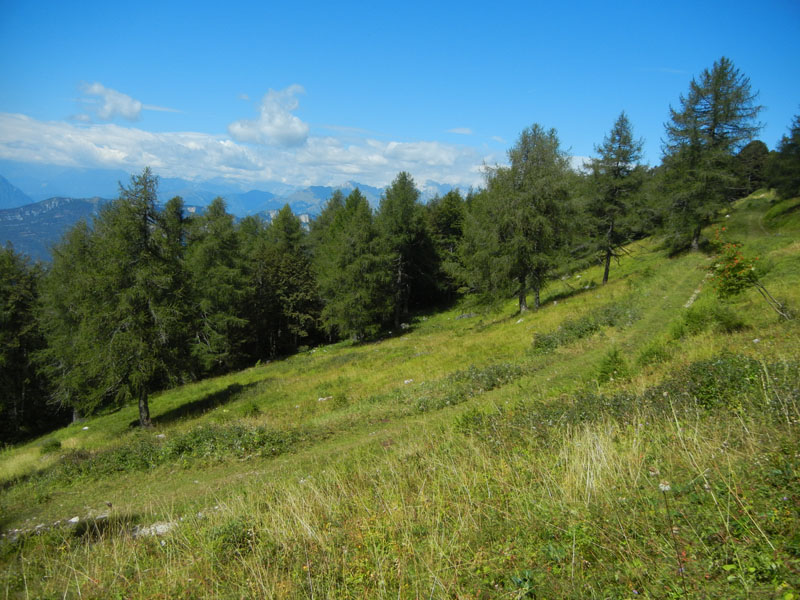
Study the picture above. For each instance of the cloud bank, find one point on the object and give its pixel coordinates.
(323, 160)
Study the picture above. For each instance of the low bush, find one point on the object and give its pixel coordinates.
(572, 330)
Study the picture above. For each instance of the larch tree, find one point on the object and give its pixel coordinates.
(352, 272)
(515, 230)
(615, 179)
(115, 306)
(716, 118)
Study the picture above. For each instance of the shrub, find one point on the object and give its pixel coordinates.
(572, 330)
(50, 446)
(613, 366)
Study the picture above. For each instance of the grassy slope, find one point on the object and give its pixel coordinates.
(441, 486)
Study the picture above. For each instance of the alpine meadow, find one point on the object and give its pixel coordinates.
(566, 383)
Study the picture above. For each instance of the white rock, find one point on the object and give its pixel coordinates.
(74, 519)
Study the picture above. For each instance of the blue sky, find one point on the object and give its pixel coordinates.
(325, 92)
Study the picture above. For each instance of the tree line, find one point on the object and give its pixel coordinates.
(145, 297)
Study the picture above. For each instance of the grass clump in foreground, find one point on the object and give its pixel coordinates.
(655, 454)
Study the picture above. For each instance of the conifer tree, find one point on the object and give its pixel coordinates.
(216, 264)
(114, 306)
(23, 400)
(615, 178)
(291, 280)
(405, 243)
(352, 272)
(715, 119)
(784, 164)
(515, 231)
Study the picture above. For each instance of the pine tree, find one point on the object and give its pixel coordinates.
(114, 306)
(216, 263)
(784, 164)
(24, 409)
(716, 118)
(515, 231)
(615, 178)
(445, 221)
(292, 282)
(352, 272)
(406, 244)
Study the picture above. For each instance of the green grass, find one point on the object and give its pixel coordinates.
(464, 458)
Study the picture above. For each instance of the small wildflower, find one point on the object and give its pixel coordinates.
(664, 486)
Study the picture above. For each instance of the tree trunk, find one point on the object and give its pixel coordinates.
(523, 300)
(696, 239)
(608, 265)
(536, 303)
(144, 410)
(398, 300)
(609, 252)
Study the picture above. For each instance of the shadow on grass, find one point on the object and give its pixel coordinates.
(197, 407)
(99, 528)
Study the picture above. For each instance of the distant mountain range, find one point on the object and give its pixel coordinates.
(33, 219)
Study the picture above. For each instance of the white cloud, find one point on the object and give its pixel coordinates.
(113, 103)
(498, 139)
(108, 104)
(276, 125)
(321, 160)
(460, 130)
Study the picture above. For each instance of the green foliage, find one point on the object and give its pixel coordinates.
(116, 311)
(783, 168)
(751, 167)
(406, 246)
(706, 314)
(353, 272)
(445, 217)
(715, 119)
(655, 352)
(232, 538)
(50, 446)
(613, 367)
(615, 179)
(216, 263)
(23, 390)
(572, 330)
(515, 230)
(282, 302)
(731, 272)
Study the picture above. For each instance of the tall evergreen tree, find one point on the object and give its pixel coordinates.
(405, 243)
(715, 119)
(114, 308)
(215, 261)
(615, 179)
(783, 170)
(24, 409)
(515, 230)
(292, 282)
(445, 216)
(353, 274)
(750, 167)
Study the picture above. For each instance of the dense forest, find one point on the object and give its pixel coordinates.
(145, 297)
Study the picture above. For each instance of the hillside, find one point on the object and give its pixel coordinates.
(637, 439)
